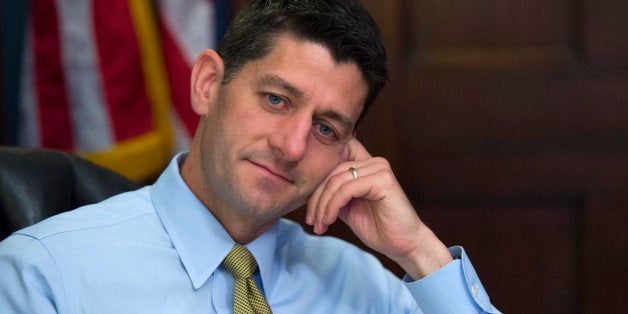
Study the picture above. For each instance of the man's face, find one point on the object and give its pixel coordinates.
(278, 128)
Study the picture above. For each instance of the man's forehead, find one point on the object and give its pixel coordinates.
(290, 50)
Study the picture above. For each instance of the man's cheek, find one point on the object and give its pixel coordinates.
(325, 170)
(329, 161)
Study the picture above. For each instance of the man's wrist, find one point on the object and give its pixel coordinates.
(426, 259)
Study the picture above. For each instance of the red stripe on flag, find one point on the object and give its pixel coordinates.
(120, 66)
(54, 115)
(179, 73)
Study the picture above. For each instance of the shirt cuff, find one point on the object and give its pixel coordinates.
(454, 288)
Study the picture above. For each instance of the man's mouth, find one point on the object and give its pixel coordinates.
(272, 172)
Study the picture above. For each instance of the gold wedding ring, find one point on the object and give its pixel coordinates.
(353, 172)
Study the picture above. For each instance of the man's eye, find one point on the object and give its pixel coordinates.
(274, 99)
(325, 129)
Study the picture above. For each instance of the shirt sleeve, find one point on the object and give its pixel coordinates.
(30, 281)
(455, 288)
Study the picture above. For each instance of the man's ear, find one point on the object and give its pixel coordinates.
(206, 79)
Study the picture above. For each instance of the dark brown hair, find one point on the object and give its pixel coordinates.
(342, 26)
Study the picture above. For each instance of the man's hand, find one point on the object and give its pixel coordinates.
(377, 210)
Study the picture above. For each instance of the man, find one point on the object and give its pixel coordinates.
(279, 103)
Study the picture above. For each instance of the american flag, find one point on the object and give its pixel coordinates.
(108, 79)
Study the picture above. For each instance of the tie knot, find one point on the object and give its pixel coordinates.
(240, 263)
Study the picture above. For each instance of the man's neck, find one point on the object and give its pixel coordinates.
(242, 228)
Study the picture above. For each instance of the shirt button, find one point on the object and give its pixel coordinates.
(475, 291)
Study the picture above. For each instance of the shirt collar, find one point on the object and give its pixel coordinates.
(200, 240)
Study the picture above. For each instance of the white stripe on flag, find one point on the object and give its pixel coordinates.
(28, 126)
(90, 116)
(191, 23)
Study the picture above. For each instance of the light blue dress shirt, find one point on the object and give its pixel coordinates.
(159, 250)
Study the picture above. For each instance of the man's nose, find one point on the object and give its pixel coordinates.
(290, 138)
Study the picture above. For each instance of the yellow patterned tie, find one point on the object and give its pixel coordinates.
(247, 299)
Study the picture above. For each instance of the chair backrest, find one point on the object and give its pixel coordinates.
(38, 183)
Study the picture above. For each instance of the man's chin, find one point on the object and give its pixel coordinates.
(272, 209)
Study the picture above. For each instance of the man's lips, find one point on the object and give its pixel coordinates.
(271, 171)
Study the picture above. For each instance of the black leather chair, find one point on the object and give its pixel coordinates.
(38, 183)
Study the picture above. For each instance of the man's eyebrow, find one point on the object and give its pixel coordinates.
(345, 121)
(276, 81)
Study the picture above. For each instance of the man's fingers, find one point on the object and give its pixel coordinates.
(358, 158)
(340, 188)
(356, 189)
(340, 183)
(340, 174)
(357, 151)
(335, 179)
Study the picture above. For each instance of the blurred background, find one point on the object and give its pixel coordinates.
(506, 121)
